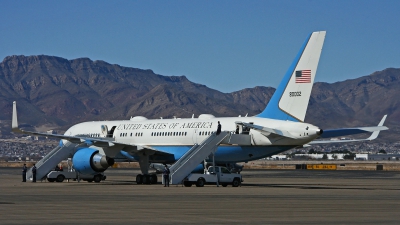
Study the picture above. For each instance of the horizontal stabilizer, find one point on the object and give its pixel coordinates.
(355, 130)
(351, 131)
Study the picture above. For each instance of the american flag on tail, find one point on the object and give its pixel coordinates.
(303, 76)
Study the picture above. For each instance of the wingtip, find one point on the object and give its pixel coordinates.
(382, 120)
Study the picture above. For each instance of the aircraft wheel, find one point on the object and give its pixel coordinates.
(150, 179)
(224, 185)
(139, 179)
(153, 179)
(60, 178)
(146, 179)
(51, 179)
(200, 182)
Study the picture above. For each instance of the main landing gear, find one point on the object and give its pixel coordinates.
(146, 179)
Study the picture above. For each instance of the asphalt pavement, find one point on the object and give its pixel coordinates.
(265, 197)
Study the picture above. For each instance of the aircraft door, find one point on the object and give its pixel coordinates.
(194, 137)
(110, 134)
(104, 130)
(239, 129)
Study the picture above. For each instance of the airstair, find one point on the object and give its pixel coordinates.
(192, 158)
(50, 161)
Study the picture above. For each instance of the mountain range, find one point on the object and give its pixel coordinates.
(54, 92)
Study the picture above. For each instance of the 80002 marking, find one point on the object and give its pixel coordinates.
(295, 94)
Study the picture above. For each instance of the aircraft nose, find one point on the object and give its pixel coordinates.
(320, 132)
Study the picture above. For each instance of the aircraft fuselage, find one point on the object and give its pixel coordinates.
(176, 136)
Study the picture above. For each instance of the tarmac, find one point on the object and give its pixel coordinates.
(265, 197)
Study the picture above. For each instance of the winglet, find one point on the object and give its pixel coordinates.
(14, 122)
(375, 134)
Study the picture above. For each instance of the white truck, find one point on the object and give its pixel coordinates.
(60, 176)
(212, 176)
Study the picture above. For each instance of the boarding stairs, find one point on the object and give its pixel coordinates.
(51, 160)
(192, 158)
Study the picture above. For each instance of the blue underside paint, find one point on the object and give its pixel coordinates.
(272, 110)
(341, 132)
(128, 156)
(227, 154)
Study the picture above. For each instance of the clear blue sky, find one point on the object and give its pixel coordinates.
(226, 45)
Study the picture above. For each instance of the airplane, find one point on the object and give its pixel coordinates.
(278, 128)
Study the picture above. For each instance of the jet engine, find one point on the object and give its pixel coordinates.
(90, 161)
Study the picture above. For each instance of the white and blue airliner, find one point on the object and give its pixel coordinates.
(278, 128)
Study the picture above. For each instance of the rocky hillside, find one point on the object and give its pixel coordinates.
(57, 92)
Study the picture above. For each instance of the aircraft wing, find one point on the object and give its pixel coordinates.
(351, 131)
(99, 142)
(267, 130)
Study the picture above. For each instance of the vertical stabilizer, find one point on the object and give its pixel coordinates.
(290, 100)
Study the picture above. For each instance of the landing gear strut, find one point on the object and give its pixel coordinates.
(146, 179)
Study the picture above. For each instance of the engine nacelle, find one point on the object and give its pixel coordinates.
(90, 161)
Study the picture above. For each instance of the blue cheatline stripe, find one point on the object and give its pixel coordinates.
(272, 110)
(230, 153)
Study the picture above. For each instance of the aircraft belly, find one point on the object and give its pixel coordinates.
(231, 153)
(247, 153)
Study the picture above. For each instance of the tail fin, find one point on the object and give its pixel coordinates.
(290, 100)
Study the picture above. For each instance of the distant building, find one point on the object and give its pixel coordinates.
(361, 157)
(38, 138)
(278, 157)
(27, 138)
(384, 157)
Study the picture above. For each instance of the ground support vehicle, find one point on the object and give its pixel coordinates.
(213, 175)
(60, 176)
